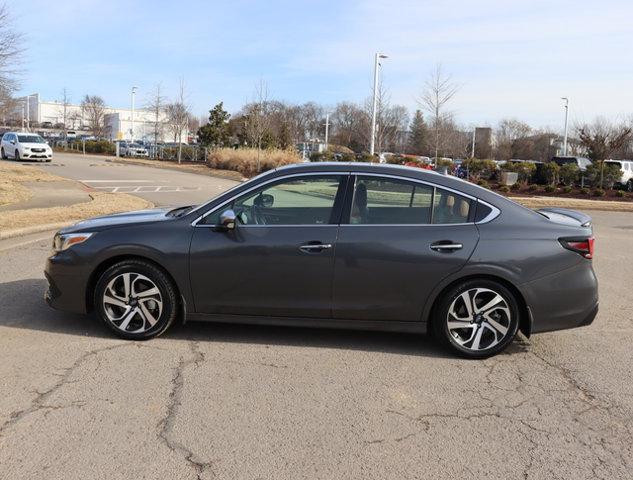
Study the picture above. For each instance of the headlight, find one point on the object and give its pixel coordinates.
(62, 241)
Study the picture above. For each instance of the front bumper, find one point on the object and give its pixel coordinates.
(37, 155)
(66, 284)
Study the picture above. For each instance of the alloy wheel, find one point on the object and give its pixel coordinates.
(478, 319)
(132, 302)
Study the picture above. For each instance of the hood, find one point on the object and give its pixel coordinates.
(119, 219)
(35, 145)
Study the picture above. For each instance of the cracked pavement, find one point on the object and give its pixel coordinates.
(247, 402)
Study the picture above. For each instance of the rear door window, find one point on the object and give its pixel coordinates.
(387, 201)
(450, 207)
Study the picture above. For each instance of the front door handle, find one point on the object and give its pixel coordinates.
(315, 247)
(446, 246)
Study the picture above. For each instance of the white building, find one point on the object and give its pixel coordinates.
(118, 121)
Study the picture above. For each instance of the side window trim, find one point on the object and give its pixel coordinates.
(340, 198)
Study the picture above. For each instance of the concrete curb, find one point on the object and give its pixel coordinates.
(19, 232)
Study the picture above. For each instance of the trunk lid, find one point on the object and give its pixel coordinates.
(564, 216)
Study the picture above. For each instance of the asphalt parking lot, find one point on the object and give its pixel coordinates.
(219, 401)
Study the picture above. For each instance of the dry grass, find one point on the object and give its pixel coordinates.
(11, 177)
(244, 160)
(574, 203)
(101, 204)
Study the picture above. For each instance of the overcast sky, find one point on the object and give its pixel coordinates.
(510, 58)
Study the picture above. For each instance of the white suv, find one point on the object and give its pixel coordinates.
(24, 145)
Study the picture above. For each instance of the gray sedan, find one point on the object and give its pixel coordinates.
(341, 246)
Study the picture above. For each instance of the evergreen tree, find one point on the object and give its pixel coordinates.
(418, 134)
(216, 132)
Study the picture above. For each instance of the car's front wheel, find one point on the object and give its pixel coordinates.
(136, 300)
(477, 318)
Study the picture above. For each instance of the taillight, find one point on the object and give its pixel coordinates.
(582, 246)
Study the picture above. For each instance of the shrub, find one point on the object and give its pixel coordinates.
(551, 171)
(397, 159)
(611, 173)
(599, 192)
(568, 173)
(516, 186)
(533, 188)
(444, 162)
(550, 188)
(244, 160)
(479, 168)
(524, 169)
(326, 156)
(567, 189)
(504, 188)
(482, 183)
(99, 146)
(620, 193)
(584, 191)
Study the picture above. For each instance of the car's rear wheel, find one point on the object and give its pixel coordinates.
(629, 185)
(136, 300)
(16, 155)
(2, 154)
(477, 318)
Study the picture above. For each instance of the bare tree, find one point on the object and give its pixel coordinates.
(10, 53)
(178, 116)
(156, 105)
(258, 122)
(439, 89)
(510, 134)
(93, 110)
(601, 139)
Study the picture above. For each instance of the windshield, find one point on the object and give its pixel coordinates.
(30, 139)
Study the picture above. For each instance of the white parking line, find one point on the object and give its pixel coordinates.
(116, 181)
(146, 189)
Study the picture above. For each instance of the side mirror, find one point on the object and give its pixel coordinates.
(228, 219)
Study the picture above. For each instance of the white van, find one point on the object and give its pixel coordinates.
(626, 167)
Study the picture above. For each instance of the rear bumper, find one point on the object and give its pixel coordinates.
(566, 299)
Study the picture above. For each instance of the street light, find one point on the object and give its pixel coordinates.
(377, 57)
(566, 117)
(132, 129)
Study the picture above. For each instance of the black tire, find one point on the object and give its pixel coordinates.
(143, 270)
(16, 155)
(629, 186)
(2, 154)
(508, 312)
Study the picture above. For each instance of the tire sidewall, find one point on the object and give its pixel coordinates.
(440, 325)
(163, 283)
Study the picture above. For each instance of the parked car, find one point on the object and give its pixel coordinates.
(127, 149)
(47, 125)
(581, 162)
(345, 245)
(626, 167)
(25, 146)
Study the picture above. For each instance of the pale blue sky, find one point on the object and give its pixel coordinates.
(511, 58)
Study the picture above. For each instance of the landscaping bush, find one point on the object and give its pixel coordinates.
(479, 169)
(550, 188)
(504, 188)
(482, 183)
(396, 159)
(611, 173)
(99, 146)
(551, 172)
(244, 160)
(533, 188)
(516, 186)
(584, 191)
(524, 169)
(620, 193)
(599, 192)
(568, 173)
(567, 189)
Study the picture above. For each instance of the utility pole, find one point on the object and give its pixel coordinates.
(327, 129)
(377, 57)
(472, 153)
(132, 129)
(28, 114)
(566, 117)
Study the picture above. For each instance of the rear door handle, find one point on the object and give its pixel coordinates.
(315, 247)
(446, 247)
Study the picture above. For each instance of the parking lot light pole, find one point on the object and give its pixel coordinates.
(132, 129)
(566, 117)
(377, 57)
